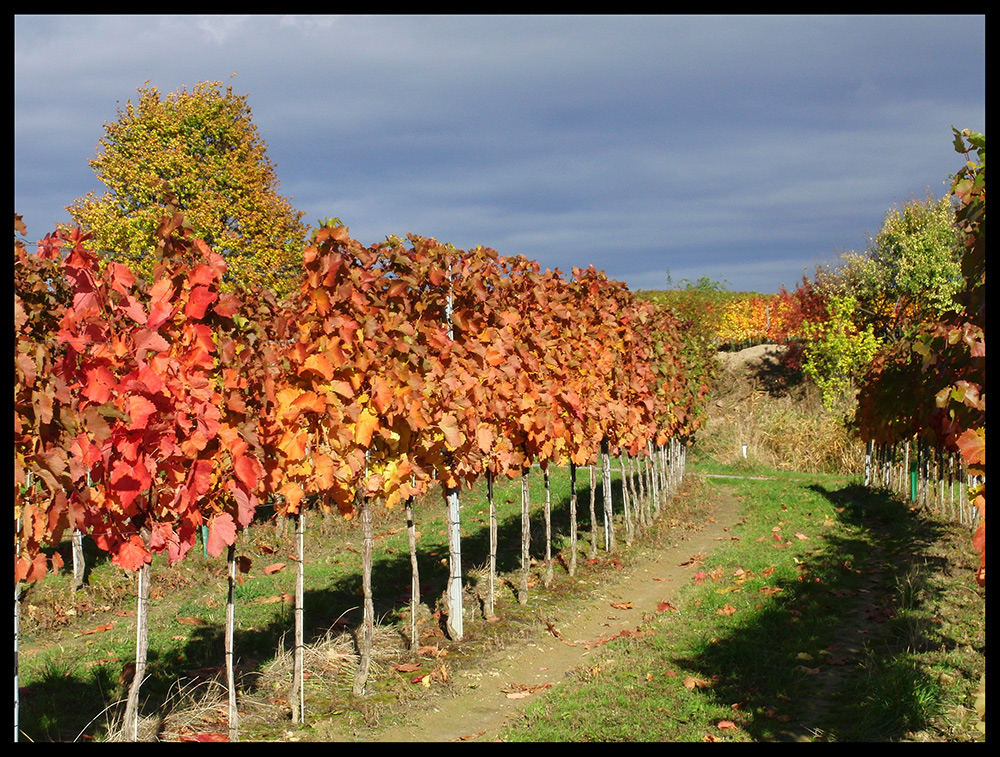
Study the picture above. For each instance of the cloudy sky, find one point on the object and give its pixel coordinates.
(747, 149)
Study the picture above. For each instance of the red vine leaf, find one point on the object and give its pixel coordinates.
(221, 533)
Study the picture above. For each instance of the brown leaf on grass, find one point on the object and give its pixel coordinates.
(274, 568)
(98, 629)
(726, 610)
(431, 651)
(665, 605)
(127, 674)
(205, 737)
(406, 667)
(189, 621)
(727, 725)
(441, 673)
(692, 683)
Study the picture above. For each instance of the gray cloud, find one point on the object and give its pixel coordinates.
(743, 148)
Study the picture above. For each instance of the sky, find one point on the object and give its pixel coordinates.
(659, 149)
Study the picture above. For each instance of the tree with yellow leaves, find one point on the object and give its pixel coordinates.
(200, 152)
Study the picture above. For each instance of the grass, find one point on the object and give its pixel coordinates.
(838, 615)
(74, 645)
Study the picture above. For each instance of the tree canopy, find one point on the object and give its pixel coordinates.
(910, 270)
(200, 153)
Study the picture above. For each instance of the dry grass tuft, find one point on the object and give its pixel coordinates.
(780, 420)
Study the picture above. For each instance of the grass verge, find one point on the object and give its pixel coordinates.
(76, 646)
(838, 615)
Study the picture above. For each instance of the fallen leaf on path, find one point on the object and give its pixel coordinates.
(555, 632)
(665, 605)
(522, 690)
(622, 605)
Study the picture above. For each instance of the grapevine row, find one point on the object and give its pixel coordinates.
(145, 412)
(928, 390)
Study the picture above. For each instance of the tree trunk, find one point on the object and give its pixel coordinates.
(525, 534)
(414, 576)
(653, 484)
(131, 719)
(234, 725)
(609, 527)
(628, 505)
(297, 696)
(367, 634)
(456, 627)
(79, 566)
(548, 530)
(593, 513)
(572, 519)
(492, 587)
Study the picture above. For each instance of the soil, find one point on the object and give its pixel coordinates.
(477, 705)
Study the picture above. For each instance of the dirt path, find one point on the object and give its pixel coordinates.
(478, 706)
